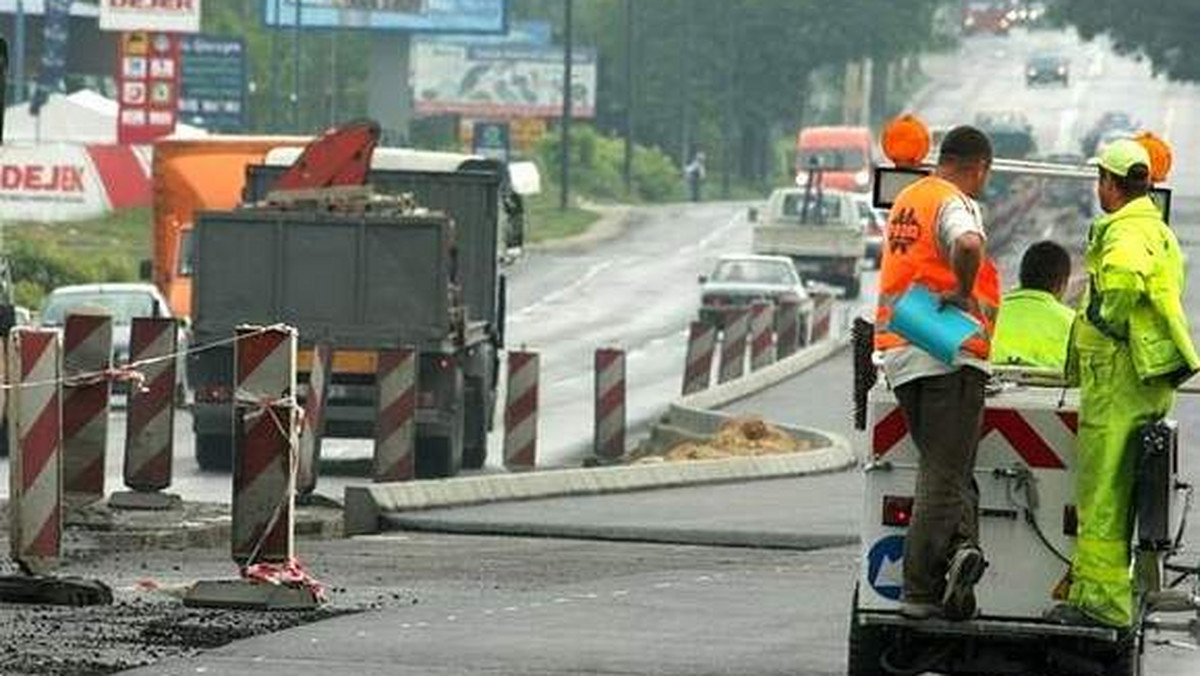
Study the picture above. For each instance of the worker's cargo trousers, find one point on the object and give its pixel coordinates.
(1113, 404)
(944, 414)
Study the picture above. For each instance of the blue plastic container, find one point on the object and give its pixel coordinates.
(939, 331)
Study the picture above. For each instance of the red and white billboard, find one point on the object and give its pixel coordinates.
(148, 68)
(65, 182)
(171, 16)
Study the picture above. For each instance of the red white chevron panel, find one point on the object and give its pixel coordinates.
(787, 328)
(762, 339)
(733, 345)
(150, 423)
(609, 439)
(396, 416)
(314, 418)
(521, 411)
(702, 342)
(87, 350)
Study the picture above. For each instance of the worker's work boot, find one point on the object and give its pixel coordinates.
(913, 610)
(966, 569)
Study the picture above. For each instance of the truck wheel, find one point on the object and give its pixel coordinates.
(475, 435)
(441, 457)
(214, 452)
(867, 645)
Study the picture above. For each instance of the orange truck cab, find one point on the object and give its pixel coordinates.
(191, 175)
(845, 156)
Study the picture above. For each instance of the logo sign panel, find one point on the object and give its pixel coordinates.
(147, 86)
(171, 16)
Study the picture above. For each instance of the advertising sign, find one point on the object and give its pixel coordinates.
(500, 81)
(168, 16)
(424, 16)
(212, 87)
(67, 182)
(147, 86)
(55, 32)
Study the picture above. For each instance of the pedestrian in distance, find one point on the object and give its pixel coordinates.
(694, 174)
(936, 239)
(1034, 325)
(1130, 349)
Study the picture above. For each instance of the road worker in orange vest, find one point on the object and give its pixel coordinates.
(936, 239)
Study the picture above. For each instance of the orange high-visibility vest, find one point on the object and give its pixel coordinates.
(911, 256)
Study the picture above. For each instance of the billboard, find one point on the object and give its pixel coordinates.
(170, 16)
(212, 86)
(68, 182)
(418, 16)
(505, 82)
(147, 86)
(55, 34)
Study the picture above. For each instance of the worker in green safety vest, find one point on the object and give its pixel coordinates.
(1034, 326)
(1130, 350)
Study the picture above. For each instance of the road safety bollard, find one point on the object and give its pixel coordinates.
(87, 357)
(762, 342)
(35, 425)
(787, 328)
(521, 411)
(609, 439)
(822, 317)
(697, 371)
(314, 418)
(396, 416)
(265, 439)
(733, 345)
(150, 422)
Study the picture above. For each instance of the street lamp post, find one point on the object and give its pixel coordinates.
(296, 71)
(629, 47)
(274, 95)
(568, 63)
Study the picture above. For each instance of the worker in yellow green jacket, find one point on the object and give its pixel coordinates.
(1034, 326)
(1130, 350)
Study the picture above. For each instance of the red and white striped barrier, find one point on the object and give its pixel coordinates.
(521, 411)
(35, 427)
(697, 370)
(266, 439)
(314, 418)
(609, 440)
(762, 341)
(150, 423)
(821, 320)
(396, 416)
(733, 346)
(787, 328)
(87, 349)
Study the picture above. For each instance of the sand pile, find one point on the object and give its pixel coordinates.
(738, 438)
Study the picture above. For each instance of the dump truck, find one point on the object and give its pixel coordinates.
(450, 309)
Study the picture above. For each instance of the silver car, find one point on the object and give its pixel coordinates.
(739, 280)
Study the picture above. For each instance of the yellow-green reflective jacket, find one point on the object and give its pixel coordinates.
(1033, 330)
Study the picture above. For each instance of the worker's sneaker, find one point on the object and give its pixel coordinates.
(966, 569)
(920, 611)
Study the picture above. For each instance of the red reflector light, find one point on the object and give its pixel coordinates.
(897, 511)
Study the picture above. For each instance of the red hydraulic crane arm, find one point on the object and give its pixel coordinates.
(340, 157)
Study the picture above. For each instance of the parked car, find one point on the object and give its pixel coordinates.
(1047, 68)
(874, 222)
(122, 301)
(739, 280)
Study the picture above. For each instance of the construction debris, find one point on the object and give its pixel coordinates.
(742, 437)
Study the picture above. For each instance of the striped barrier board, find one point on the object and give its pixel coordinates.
(697, 372)
(521, 411)
(733, 346)
(87, 351)
(821, 321)
(35, 426)
(150, 423)
(609, 439)
(265, 436)
(314, 418)
(396, 416)
(762, 341)
(787, 328)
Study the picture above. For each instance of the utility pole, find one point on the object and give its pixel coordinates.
(333, 77)
(629, 96)
(19, 61)
(567, 109)
(296, 69)
(273, 104)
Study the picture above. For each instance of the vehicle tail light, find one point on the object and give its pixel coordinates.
(897, 511)
(213, 394)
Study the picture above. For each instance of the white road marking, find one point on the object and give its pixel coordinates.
(565, 292)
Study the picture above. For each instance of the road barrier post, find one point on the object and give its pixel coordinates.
(787, 328)
(822, 317)
(307, 468)
(697, 372)
(521, 411)
(733, 345)
(609, 439)
(150, 419)
(87, 358)
(396, 416)
(762, 345)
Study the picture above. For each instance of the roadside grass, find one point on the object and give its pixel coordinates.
(547, 222)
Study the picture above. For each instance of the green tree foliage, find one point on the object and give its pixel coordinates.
(1160, 30)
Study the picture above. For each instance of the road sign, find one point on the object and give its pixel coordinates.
(212, 87)
(491, 140)
(885, 567)
(147, 86)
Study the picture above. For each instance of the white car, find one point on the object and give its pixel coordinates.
(737, 281)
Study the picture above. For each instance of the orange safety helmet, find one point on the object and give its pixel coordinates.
(906, 140)
(1161, 157)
